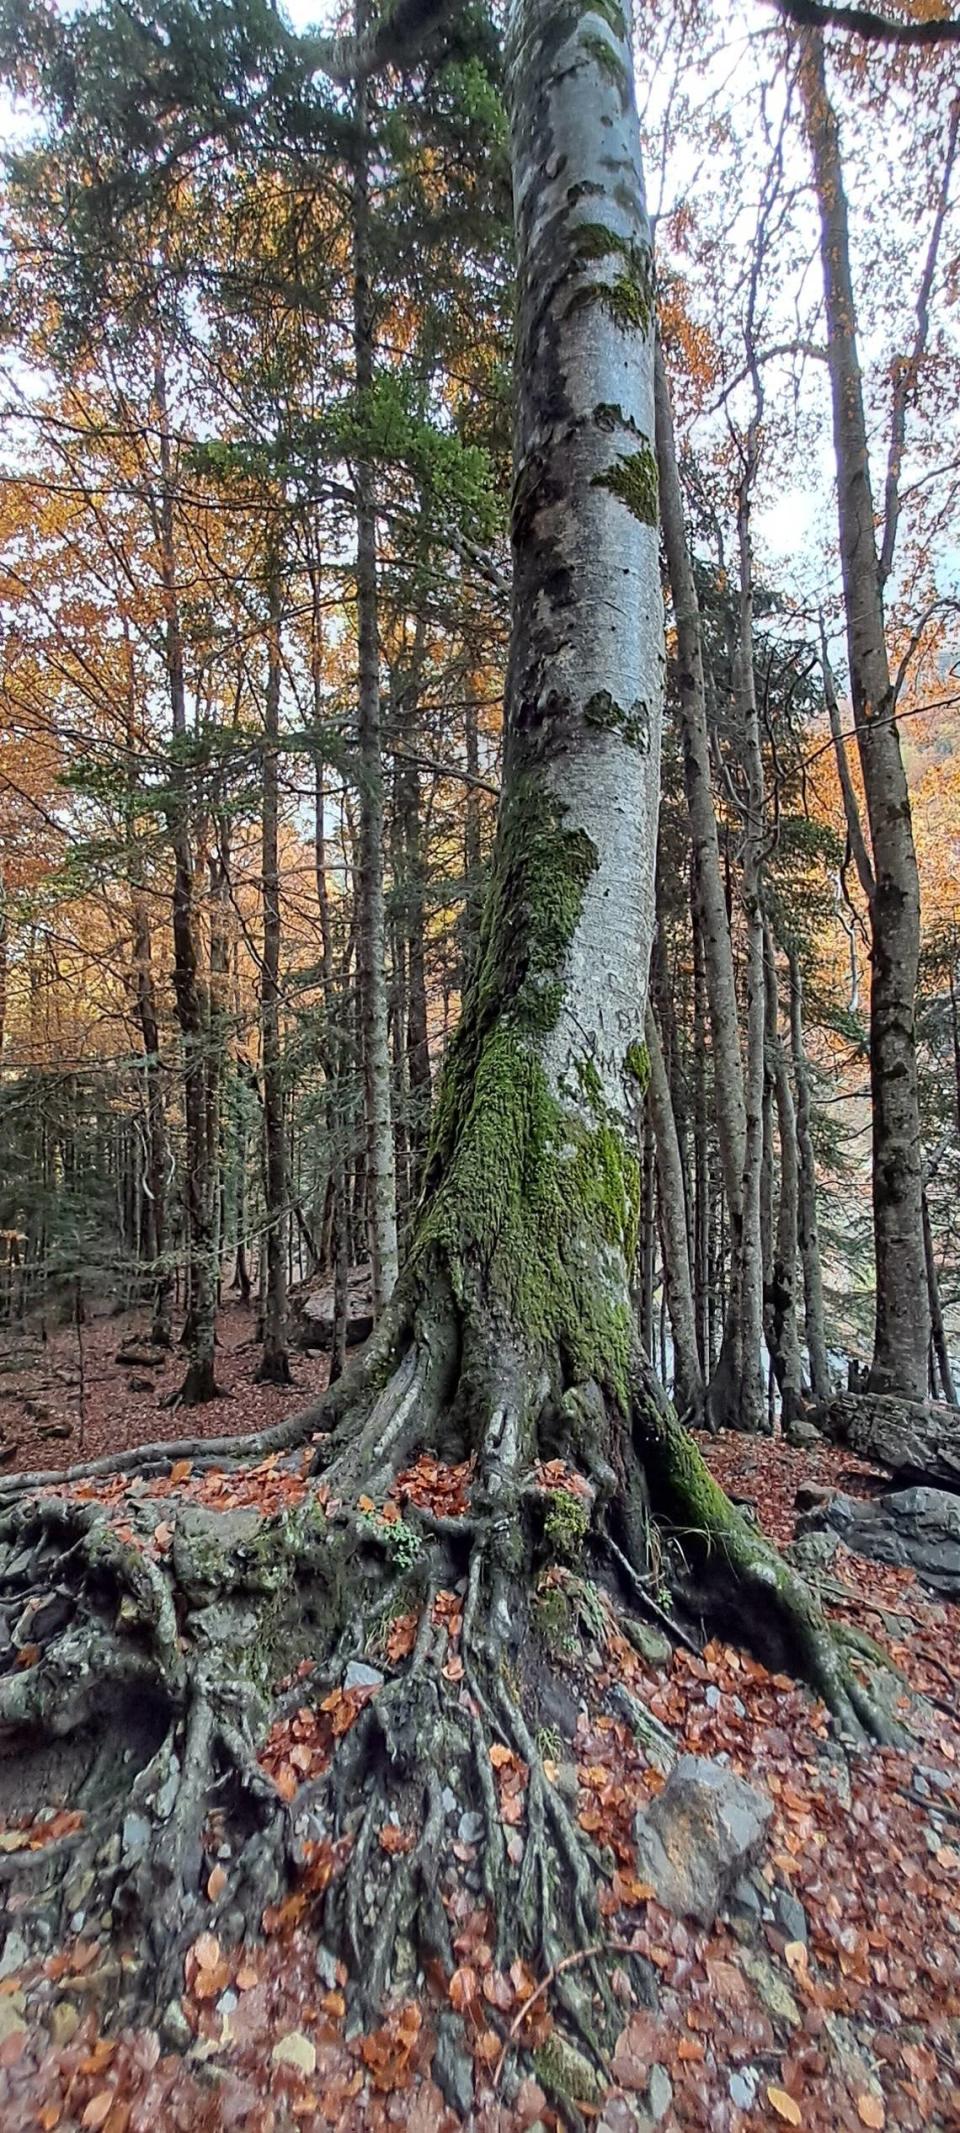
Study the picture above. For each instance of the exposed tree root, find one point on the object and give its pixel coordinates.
(158, 1669)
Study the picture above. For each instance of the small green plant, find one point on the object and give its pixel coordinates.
(566, 1523)
(401, 1543)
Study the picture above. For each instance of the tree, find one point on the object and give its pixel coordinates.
(509, 1338)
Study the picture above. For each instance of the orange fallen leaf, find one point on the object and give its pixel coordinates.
(870, 2111)
(784, 2106)
(216, 1883)
(206, 1951)
(98, 2109)
(180, 1470)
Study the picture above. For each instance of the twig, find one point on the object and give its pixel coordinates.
(581, 1955)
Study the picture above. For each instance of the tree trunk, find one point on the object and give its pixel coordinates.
(509, 1339)
(371, 957)
(274, 1366)
(808, 1235)
(938, 1331)
(902, 1322)
(688, 1382)
(782, 1338)
(190, 993)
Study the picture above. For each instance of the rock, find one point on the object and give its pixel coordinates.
(697, 1837)
(659, 2093)
(64, 2023)
(449, 1801)
(452, 2067)
(917, 1440)
(51, 1430)
(11, 2017)
(294, 2049)
(813, 1553)
(803, 1436)
(651, 1643)
(361, 1676)
(772, 1987)
(810, 1495)
(712, 1697)
(470, 1827)
(916, 1529)
(15, 1953)
(202, 1544)
(174, 2027)
(742, 2088)
(790, 1915)
(136, 1835)
(140, 1385)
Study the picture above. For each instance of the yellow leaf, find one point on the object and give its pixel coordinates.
(784, 2106)
(870, 2111)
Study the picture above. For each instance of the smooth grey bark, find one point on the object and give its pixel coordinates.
(902, 1318)
(808, 1234)
(938, 1331)
(585, 680)
(371, 937)
(688, 1389)
(274, 1365)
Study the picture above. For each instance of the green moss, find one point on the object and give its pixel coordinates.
(633, 478)
(638, 1064)
(630, 297)
(611, 13)
(633, 725)
(566, 1523)
(401, 1543)
(519, 1184)
(607, 59)
(553, 1620)
(565, 2073)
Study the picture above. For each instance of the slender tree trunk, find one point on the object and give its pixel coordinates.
(381, 1179)
(783, 1339)
(274, 1366)
(190, 992)
(938, 1333)
(807, 1222)
(903, 1319)
(688, 1381)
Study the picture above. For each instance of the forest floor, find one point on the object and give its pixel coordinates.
(834, 2003)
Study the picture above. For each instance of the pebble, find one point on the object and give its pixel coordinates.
(742, 2088)
(295, 2049)
(470, 1827)
(15, 1952)
(712, 1696)
(361, 1676)
(659, 2093)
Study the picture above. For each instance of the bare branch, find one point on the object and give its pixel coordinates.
(865, 22)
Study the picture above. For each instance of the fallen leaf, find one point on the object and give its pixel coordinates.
(216, 1883)
(784, 2106)
(98, 2110)
(206, 1951)
(870, 2111)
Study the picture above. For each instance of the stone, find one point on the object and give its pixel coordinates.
(790, 1915)
(174, 2027)
(915, 1529)
(742, 2088)
(140, 1385)
(470, 1827)
(295, 2049)
(659, 2093)
(772, 1987)
(11, 2017)
(651, 1643)
(361, 1676)
(803, 1436)
(452, 2068)
(136, 1836)
(64, 2023)
(699, 1835)
(15, 1953)
(813, 1553)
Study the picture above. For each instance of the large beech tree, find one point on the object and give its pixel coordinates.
(510, 1335)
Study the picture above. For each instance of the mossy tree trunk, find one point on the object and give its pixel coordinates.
(510, 1337)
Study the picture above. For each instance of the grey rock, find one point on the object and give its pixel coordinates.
(790, 1915)
(452, 2067)
(470, 1827)
(449, 1801)
(813, 1553)
(712, 1697)
(15, 1953)
(916, 1529)
(651, 1643)
(361, 1676)
(136, 1835)
(772, 1988)
(326, 1967)
(659, 2093)
(697, 1837)
(742, 2088)
(804, 1436)
(167, 1794)
(174, 2027)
